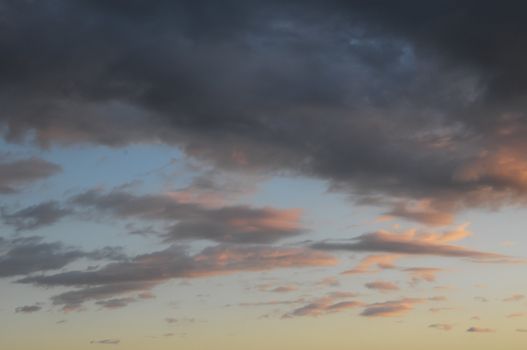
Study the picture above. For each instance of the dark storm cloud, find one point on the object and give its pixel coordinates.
(22, 256)
(35, 216)
(14, 174)
(408, 99)
(145, 271)
(187, 220)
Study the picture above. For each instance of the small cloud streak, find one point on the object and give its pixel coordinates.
(480, 330)
(515, 298)
(441, 326)
(382, 286)
(332, 303)
(106, 341)
(28, 309)
(373, 263)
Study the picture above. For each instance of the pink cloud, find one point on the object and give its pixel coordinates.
(391, 308)
(373, 263)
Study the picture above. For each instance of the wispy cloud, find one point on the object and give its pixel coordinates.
(190, 220)
(106, 341)
(412, 242)
(331, 303)
(15, 174)
(515, 297)
(480, 330)
(143, 272)
(21, 256)
(27, 309)
(442, 326)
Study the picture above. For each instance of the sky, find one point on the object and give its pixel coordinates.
(263, 174)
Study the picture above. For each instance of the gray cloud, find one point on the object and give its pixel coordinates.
(27, 309)
(145, 271)
(106, 341)
(35, 216)
(411, 244)
(441, 326)
(390, 308)
(115, 303)
(383, 286)
(409, 101)
(22, 256)
(235, 224)
(14, 174)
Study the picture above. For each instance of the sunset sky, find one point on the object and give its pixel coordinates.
(263, 175)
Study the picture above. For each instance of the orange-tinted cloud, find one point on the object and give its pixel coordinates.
(480, 330)
(331, 303)
(421, 211)
(418, 274)
(373, 263)
(413, 242)
(187, 220)
(515, 297)
(391, 308)
(145, 271)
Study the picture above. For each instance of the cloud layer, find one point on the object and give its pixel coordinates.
(413, 102)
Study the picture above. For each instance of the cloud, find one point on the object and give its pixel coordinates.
(418, 274)
(106, 341)
(421, 211)
(331, 303)
(412, 242)
(27, 309)
(145, 271)
(278, 289)
(441, 326)
(515, 297)
(481, 299)
(390, 308)
(15, 174)
(412, 96)
(328, 282)
(115, 303)
(382, 286)
(381, 262)
(439, 309)
(35, 216)
(189, 220)
(480, 330)
(273, 302)
(22, 256)
(172, 320)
